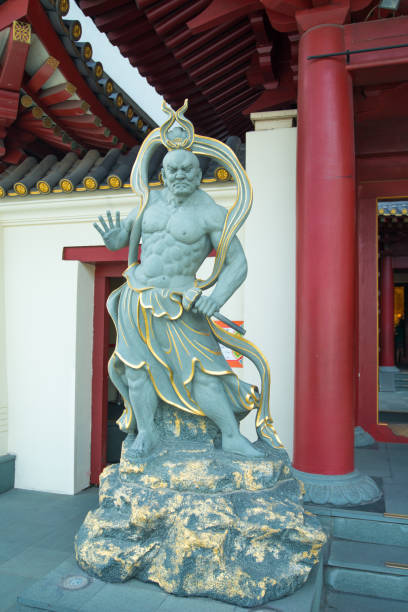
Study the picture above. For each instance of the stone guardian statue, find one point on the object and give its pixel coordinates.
(193, 505)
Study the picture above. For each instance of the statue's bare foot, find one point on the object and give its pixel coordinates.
(239, 444)
(145, 442)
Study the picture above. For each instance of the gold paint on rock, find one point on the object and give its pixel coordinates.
(198, 524)
(153, 482)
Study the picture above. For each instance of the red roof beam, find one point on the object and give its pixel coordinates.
(101, 143)
(145, 3)
(15, 55)
(178, 38)
(69, 108)
(48, 135)
(235, 101)
(98, 7)
(131, 31)
(176, 84)
(10, 11)
(216, 60)
(8, 107)
(38, 111)
(142, 44)
(56, 94)
(119, 17)
(163, 9)
(86, 133)
(220, 11)
(239, 63)
(171, 22)
(195, 42)
(225, 82)
(43, 74)
(156, 60)
(225, 41)
(229, 92)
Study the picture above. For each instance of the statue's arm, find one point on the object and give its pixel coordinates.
(116, 233)
(234, 270)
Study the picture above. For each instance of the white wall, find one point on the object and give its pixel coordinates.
(3, 377)
(48, 324)
(270, 245)
(48, 319)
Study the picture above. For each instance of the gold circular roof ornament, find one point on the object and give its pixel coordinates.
(139, 124)
(109, 87)
(130, 113)
(222, 174)
(119, 100)
(76, 30)
(87, 51)
(98, 70)
(66, 185)
(26, 101)
(63, 7)
(90, 183)
(2, 192)
(43, 186)
(37, 112)
(20, 188)
(114, 181)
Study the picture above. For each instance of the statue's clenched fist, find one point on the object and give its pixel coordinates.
(206, 305)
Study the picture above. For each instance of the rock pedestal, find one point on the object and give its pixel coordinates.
(199, 521)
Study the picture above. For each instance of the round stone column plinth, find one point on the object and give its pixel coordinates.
(353, 489)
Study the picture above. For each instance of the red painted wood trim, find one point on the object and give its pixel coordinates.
(367, 382)
(13, 63)
(43, 74)
(94, 254)
(100, 254)
(386, 312)
(9, 11)
(382, 433)
(384, 189)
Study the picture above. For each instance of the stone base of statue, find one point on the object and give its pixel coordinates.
(199, 521)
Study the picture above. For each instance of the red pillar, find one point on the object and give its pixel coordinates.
(324, 385)
(387, 312)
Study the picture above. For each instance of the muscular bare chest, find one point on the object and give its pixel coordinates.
(182, 225)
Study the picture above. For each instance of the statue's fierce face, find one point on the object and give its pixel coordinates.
(181, 172)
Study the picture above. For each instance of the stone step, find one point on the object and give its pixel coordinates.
(371, 584)
(368, 527)
(373, 570)
(347, 602)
